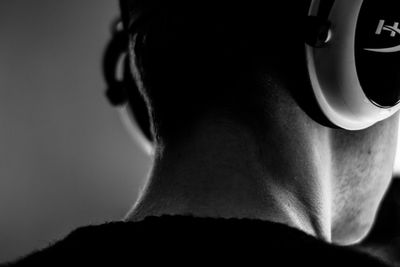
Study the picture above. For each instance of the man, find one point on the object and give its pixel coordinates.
(244, 170)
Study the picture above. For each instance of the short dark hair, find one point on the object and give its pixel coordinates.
(198, 57)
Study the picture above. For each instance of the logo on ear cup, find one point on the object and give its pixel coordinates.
(394, 30)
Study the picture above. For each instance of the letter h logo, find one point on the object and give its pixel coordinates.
(392, 29)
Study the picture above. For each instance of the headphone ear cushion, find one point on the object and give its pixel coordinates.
(115, 50)
(124, 91)
(136, 102)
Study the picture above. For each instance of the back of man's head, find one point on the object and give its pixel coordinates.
(244, 63)
(204, 56)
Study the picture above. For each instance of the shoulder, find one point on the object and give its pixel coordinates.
(180, 240)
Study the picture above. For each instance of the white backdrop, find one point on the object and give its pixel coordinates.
(65, 158)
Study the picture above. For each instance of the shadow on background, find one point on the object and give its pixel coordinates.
(65, 158)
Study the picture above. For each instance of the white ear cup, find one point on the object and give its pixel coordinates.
(133, 129)
(333, 73)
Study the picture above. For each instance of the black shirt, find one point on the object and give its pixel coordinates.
(189, 241)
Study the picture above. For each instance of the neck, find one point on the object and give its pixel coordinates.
(224, 170)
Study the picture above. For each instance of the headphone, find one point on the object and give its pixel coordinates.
(122, 91)
(352, 50)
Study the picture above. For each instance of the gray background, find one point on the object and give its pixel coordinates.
(65, 158)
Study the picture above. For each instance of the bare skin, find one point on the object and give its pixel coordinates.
(289, 169)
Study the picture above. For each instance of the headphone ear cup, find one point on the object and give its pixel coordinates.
(123, 91)
(136, 103)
